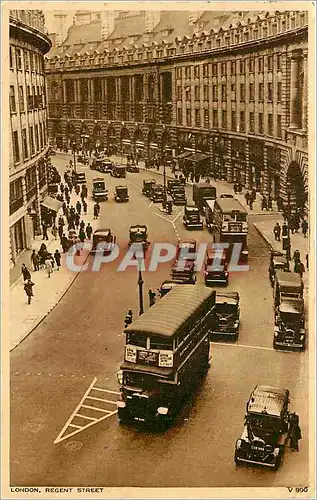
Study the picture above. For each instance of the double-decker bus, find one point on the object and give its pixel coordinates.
(230, 225)
(166, 350)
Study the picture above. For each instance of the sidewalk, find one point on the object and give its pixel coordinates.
(223, 187)
(24, 318)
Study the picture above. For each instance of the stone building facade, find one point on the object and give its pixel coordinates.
(28, 127)
(232, 85)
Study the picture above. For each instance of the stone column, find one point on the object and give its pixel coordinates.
(305, 92)
(64, 92)
(265, 174)
(294, 94)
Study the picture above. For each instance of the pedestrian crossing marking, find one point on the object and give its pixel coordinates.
(71, 428)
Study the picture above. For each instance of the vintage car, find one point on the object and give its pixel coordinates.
(289, 330)
(216, 268)
(183, 269)
(102, 165)
(227, 315)
(83, 159)
(121, 193)
(287, 285)
(179, 195)
(133, 168)
(147, 187)
(103, 241)
(172, 184)
(99, 190)
(278, 261)
(191, 218)
(119, 171)
(138, 234)
(266, 428)
(157, 193)
(81, 178)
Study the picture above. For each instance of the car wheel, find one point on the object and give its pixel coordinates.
(236, 460)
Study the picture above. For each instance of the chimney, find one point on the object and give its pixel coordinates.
(107, 23)
(152, 18)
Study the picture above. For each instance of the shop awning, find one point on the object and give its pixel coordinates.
(183, 155)
(51, 203)
(197, 157)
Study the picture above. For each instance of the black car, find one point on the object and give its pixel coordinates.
(172, 184)
(278, 261)
(121, 194)
(147, 187)
(227, 315)
(119, 171)
(83, 159)
(103, 241)
(191, 218)
(157, 194)
(138, 234)
(289, 330)
(266, 428)
(216, 269)
(179, 195)
(133, 168)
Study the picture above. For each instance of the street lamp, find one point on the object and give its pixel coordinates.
(140, 283)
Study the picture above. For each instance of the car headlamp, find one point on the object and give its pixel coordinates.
(162, 410)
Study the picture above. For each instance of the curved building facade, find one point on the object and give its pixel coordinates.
(231, 85)
(28, 122)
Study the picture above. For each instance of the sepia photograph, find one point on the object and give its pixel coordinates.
(158, 249)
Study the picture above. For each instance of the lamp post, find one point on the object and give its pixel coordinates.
(74, 151)
(140, 283)
(288, 240)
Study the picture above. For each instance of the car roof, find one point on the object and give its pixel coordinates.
(227, 298)
(187, 243)
(267, 399)
(102, 231)
(292, 306)
(98, 179)
(138, 227)
(288, 279)
(120, 186)
(149, 180)
(229, 205)
(192, 207)
(280, 259)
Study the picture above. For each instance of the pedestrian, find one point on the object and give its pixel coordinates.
(304, 228)
(279, 202)
(64, 207)
(192, 176)
(251, 201)
(82, 235)
(77, 189)
(264, 203)
(64, 243)
(296, 257)
(44, 227)
(89, 231)
(77, 220)
(26, 273)
(84, 203)
(235, 188)
(62, 187)
(285, 230)
(54, 231)
(78, 207)
(307, 261)
(277, 232)
(152, 296)
(96, 211)
(57, 257)
(295, 432)
(35, 260)
(247, 197)
(66, 191)
(269, 203)
(128, 318)
(299, 268)
(28, 288)
(60, 231)
(253, 194)
(48, 265)
(71, 224)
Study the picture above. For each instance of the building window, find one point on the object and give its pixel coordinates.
(34, 97)
(270, 92)
(32, 140)
(16, 197)
(261, 91)
(205, 70)
(233, 91)
(29, 99)
(11, 58)
(261, 129)
(251, 91)
(224, 119)
(196, 91)
(242, 67)
(15, 145)
(187, 93)
(233, 121)
(70, 91)
(279, 126)
(242, 121)
(214, 69)
(187, 71)
(264, 31)
(215, 118)
(206, 92)
(196, 71)
(279, 91)
(242, 92)
(278, 62)
(36, 138)
(223, 69)
(270, 124)
(269, 63)
(215, 92)
(255, 33)
(188, 117)
(197, 117)
(251, 118)
(21, 98)
(292, 23)
(179, 116)
(179, 93)
(25, 144)
(233, 68)
(246, 36)
(179, 73)
(83, 85)
(251, 65)
(206, 118)
(223, 92)
(261, 64)
(18, 58)
(26, 60)
(12, 100)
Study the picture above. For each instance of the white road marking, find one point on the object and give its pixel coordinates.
(150, 204)
(244, 346)
(177, 216)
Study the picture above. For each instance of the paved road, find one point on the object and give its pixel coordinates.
(81, 339)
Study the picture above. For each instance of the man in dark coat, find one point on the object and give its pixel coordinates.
(35, 260)
(78, 207)
(277, 232)
(28, 288)
(57, 257)
(84, 206)
(25, 273)
(295, 432)
(44, 227)
(88, 231)
(64, 243)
